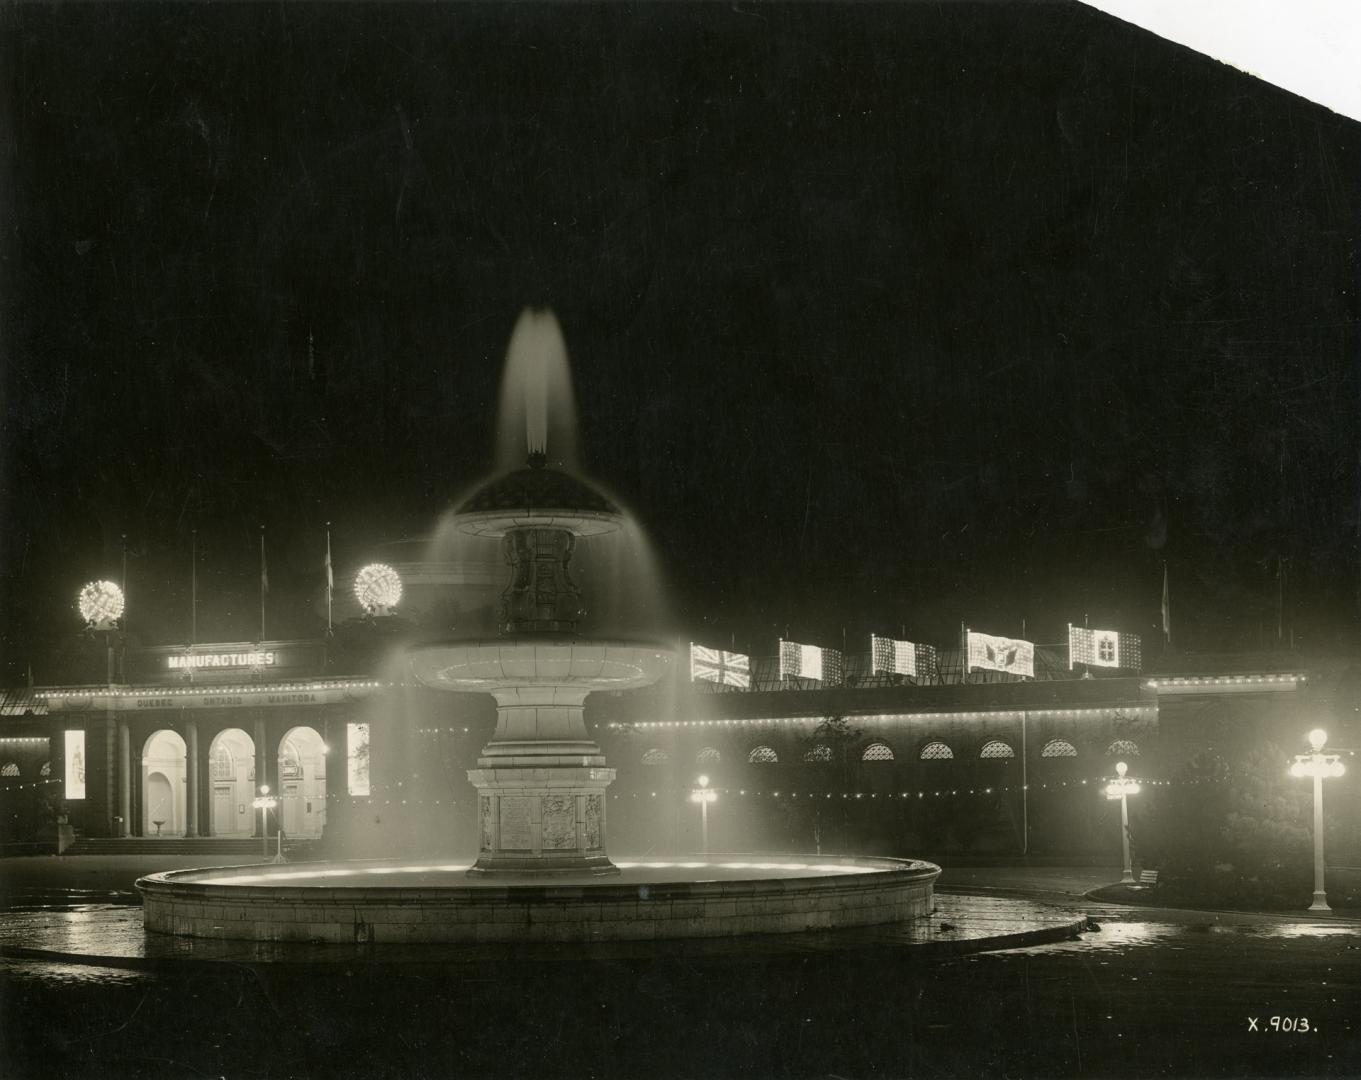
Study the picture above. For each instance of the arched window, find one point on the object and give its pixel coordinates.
(9, 769)
(996, 748)
(821, 754)
(708, 756)
(290, 762)
(1122, 748)
(221, 763)
(46, 770)
(763, 755)
(877, 751)
(656, 757)
(1058, 748)
(936, 751)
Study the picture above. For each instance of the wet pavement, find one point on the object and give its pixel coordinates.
(1153, 992)
(113, 935)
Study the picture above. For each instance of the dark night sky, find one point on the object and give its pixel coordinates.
(879, 315)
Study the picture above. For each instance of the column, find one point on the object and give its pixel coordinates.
(262, 772)
(124, 778)
(106, 754)
(191, 777)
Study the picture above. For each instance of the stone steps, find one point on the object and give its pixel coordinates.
(169, 845)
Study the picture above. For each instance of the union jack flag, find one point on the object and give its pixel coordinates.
(718, 666)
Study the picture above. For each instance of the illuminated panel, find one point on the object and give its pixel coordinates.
(800, 661)
(1011, 655)
(357, 767)
(74, 745)
(221, 660)
(718, 666)
(1104, 648)
(889, 656)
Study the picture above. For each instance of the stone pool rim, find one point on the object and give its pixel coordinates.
(183, 903)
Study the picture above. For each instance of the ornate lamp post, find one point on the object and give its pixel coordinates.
(378, 588)
(265, 802)
(1122, 787)
(101, 606)
(1318, 765)
(704, 795)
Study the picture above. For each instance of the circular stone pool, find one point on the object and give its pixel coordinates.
(429, 901)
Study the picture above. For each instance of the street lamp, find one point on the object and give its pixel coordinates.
(703, 795)
(1122, 787)
(266, 802)
(1318, 765)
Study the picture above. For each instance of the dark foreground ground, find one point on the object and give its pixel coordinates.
(1153, 993)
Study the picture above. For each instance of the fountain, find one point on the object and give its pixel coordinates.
(541, 780)
(542, 872)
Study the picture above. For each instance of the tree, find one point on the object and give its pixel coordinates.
(832, 747)
(1234, 832)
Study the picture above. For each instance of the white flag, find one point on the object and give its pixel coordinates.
(1001, 654)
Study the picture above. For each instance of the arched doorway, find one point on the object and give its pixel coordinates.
(163, 784)
(302, 782)
(231, 765)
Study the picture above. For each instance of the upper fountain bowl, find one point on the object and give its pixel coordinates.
(538, 497)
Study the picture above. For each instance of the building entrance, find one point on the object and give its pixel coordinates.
(302, 782)
(231, 762)
(163, 784)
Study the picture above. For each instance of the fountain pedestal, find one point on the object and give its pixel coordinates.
(541, 779)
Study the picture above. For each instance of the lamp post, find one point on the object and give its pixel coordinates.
(1318, 765)
(1122, 787)
(704, 795)
(101, 606)
(264, 803)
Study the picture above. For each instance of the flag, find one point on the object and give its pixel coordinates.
(810, 662)
(1000, 654)
(1167, 608)
(330, 580)
(719, 666)
(889, 656)
(1104, 648)
(264, 566)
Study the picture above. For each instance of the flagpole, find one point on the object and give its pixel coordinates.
(330, 580)
(963, 653)
(1167, 610)
(264, 582)
(124, 585)
(193, 588)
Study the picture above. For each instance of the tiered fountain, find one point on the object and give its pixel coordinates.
(542, 873)
(541, 780)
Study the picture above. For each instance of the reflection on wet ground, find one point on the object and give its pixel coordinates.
(114, 934)
(1152, 992)
(56, 974)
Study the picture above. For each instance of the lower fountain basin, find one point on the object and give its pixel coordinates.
(574, 664)
(386, 901)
